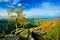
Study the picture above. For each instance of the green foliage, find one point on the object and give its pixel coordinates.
(7, 26)
(11, 26)
(35, 22)
(31, 25)
(52, 33)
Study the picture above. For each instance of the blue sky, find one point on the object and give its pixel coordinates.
(32, 8)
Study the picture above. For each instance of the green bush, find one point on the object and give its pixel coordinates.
(7, 26)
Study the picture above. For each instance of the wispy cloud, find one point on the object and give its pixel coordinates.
(16, 1)
(47, 10)
(3, 12)
(19, 4)
(4, 0)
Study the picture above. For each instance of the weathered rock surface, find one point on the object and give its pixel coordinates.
(25, 34)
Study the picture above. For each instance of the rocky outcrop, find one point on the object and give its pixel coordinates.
(38, 34)
(25, 34)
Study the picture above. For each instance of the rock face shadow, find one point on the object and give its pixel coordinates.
(36, 36)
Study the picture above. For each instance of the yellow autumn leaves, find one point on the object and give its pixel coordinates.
(46, 26)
